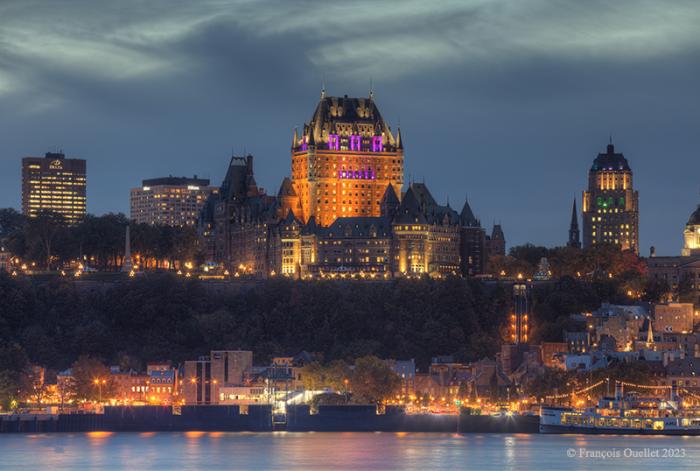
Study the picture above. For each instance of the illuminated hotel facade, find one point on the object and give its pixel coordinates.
(343, 212)
(611, 205)
(344, 160)
(54, 184)
(170, 201)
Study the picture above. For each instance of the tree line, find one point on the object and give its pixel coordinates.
(47, 242)
(160, 317)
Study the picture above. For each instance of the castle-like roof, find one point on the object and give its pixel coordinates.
(467, 217)
(286, 189)
(390, 197)
(610, 161)
(497, 233)
(335, 114)
(410, 211)
(695, 217)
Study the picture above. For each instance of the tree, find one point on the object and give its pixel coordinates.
(11, 224)
(373, 381)
(91, 379)
(655, 290)
(9, 390)
(42, 231)
(32, 384)
(313, 376)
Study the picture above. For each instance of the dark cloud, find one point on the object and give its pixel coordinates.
(506, 101)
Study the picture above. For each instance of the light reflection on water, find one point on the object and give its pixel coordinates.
(337, 451)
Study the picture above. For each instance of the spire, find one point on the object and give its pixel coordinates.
(574, 234)
(650, 334)
(466, 217)
(295, 139)
(611, 147)
(574, 216)
(399, 143)
(390, 202)
(323, 89)
(371, 90)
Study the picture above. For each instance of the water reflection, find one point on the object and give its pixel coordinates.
(321, 451)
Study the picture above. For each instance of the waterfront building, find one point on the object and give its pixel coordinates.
(162, 383)
(204, 377)
(610, 204)
(197, 383)
(170, 201)
(691, 235)
(344, 159)
(54, 184)
(126, 387)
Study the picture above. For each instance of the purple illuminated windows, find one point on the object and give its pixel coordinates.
(355, 142)
(333, 142)
(364, 174)
(377, 144)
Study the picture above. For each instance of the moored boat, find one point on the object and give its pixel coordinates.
(630, 415)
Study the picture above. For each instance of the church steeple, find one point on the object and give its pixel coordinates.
(574, 234)
(650, 335)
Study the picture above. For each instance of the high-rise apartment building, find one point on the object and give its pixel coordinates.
(170, 201)
(54, 184)
(611, 205)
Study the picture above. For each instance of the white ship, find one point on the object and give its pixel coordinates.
(623, 415)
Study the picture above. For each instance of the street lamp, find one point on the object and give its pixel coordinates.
(99, 382)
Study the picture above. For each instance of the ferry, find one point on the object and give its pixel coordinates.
(629, 415)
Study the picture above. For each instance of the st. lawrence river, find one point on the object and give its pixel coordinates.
(342, 451)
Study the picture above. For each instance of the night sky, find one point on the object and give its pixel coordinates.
(506, 101)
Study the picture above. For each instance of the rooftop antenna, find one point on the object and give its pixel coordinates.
(371, 89)
(323, 87)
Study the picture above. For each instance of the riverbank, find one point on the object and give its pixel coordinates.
(260, 419)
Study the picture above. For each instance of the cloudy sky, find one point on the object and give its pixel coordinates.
(506, 101)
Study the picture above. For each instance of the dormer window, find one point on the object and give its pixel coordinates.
(333, 142)
(377, 144)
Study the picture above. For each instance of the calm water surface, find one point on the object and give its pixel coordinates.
(343, 451)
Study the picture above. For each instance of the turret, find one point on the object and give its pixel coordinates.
(390, 203)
